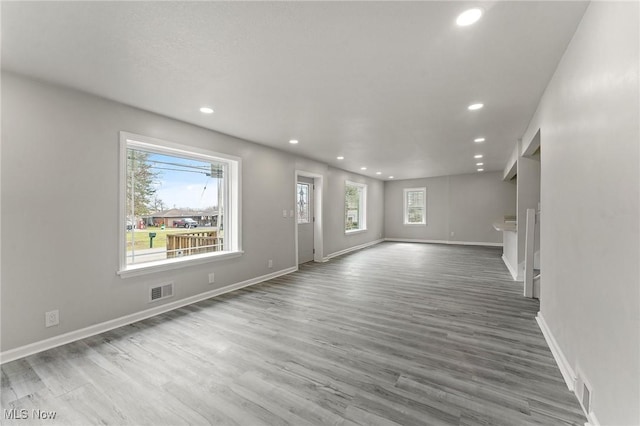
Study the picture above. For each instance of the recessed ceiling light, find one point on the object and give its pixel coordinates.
(479, 164)
(363, 168)
(340, 157)
(481, 170)
(477, 156)
(469, 17)
(206, 110)
(293, 141)
(478, 140)
(474, 107)
(390, 177)
(378, 173)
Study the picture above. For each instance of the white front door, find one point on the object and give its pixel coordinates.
(304, 210)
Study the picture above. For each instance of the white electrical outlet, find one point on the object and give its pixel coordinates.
(453, 233)
(290, 213)
(270, 264)
(212, 277)
(51, 318)
(284, 213)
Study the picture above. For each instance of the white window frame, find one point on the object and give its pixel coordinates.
(362, 220)
(232, 201)
(405, 198)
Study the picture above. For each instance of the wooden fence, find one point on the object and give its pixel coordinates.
(189, 243)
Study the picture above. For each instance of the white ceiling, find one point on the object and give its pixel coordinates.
(385, 84)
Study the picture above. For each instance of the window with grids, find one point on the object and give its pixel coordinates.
(415, 206)
(355, 205)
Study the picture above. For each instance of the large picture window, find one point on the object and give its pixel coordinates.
(355, 206)
(178, 204)
(415, 206)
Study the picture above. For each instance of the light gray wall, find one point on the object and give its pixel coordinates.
(590, 187)
(60, 210)
(437, 209)
(466, 205)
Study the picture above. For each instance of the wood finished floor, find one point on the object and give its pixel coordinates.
(396, 334)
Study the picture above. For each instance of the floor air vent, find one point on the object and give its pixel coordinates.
(586, 398)
(583, 391)
(161, 292)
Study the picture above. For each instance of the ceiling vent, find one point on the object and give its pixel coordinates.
(162, 291)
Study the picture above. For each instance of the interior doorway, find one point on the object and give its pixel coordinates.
(308, 227)
(529, 196)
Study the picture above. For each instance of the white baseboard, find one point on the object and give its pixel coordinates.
(592, 420)
(350, 249)
(565, 368)
(461, 243)
(512, 271)
(567, 372)
(92, 330)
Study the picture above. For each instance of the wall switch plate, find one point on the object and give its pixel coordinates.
(290, 213)
(212, 277)
(270, 264)
(51, 318)
(284, 213)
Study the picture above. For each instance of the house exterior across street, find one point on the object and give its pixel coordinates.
(172, 217)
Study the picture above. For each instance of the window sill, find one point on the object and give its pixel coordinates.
(176, 263)
(355, 231)
(415, 224)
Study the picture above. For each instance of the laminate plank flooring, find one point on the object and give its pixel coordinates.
(396, 334)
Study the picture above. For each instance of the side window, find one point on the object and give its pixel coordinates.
(302, 202)
(355, 205)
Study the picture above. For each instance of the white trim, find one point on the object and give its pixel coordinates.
(512, 271)
(92, 330)
(529, 251)
(592, 420)
(568, 374)
(350, 249)
(511, 169)
(461, 243)
(534, 144)
(565, 368)
(511, 172)
(318, 244)
(176, 263)
(172, 148)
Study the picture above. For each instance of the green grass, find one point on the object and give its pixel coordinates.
(141, 236)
